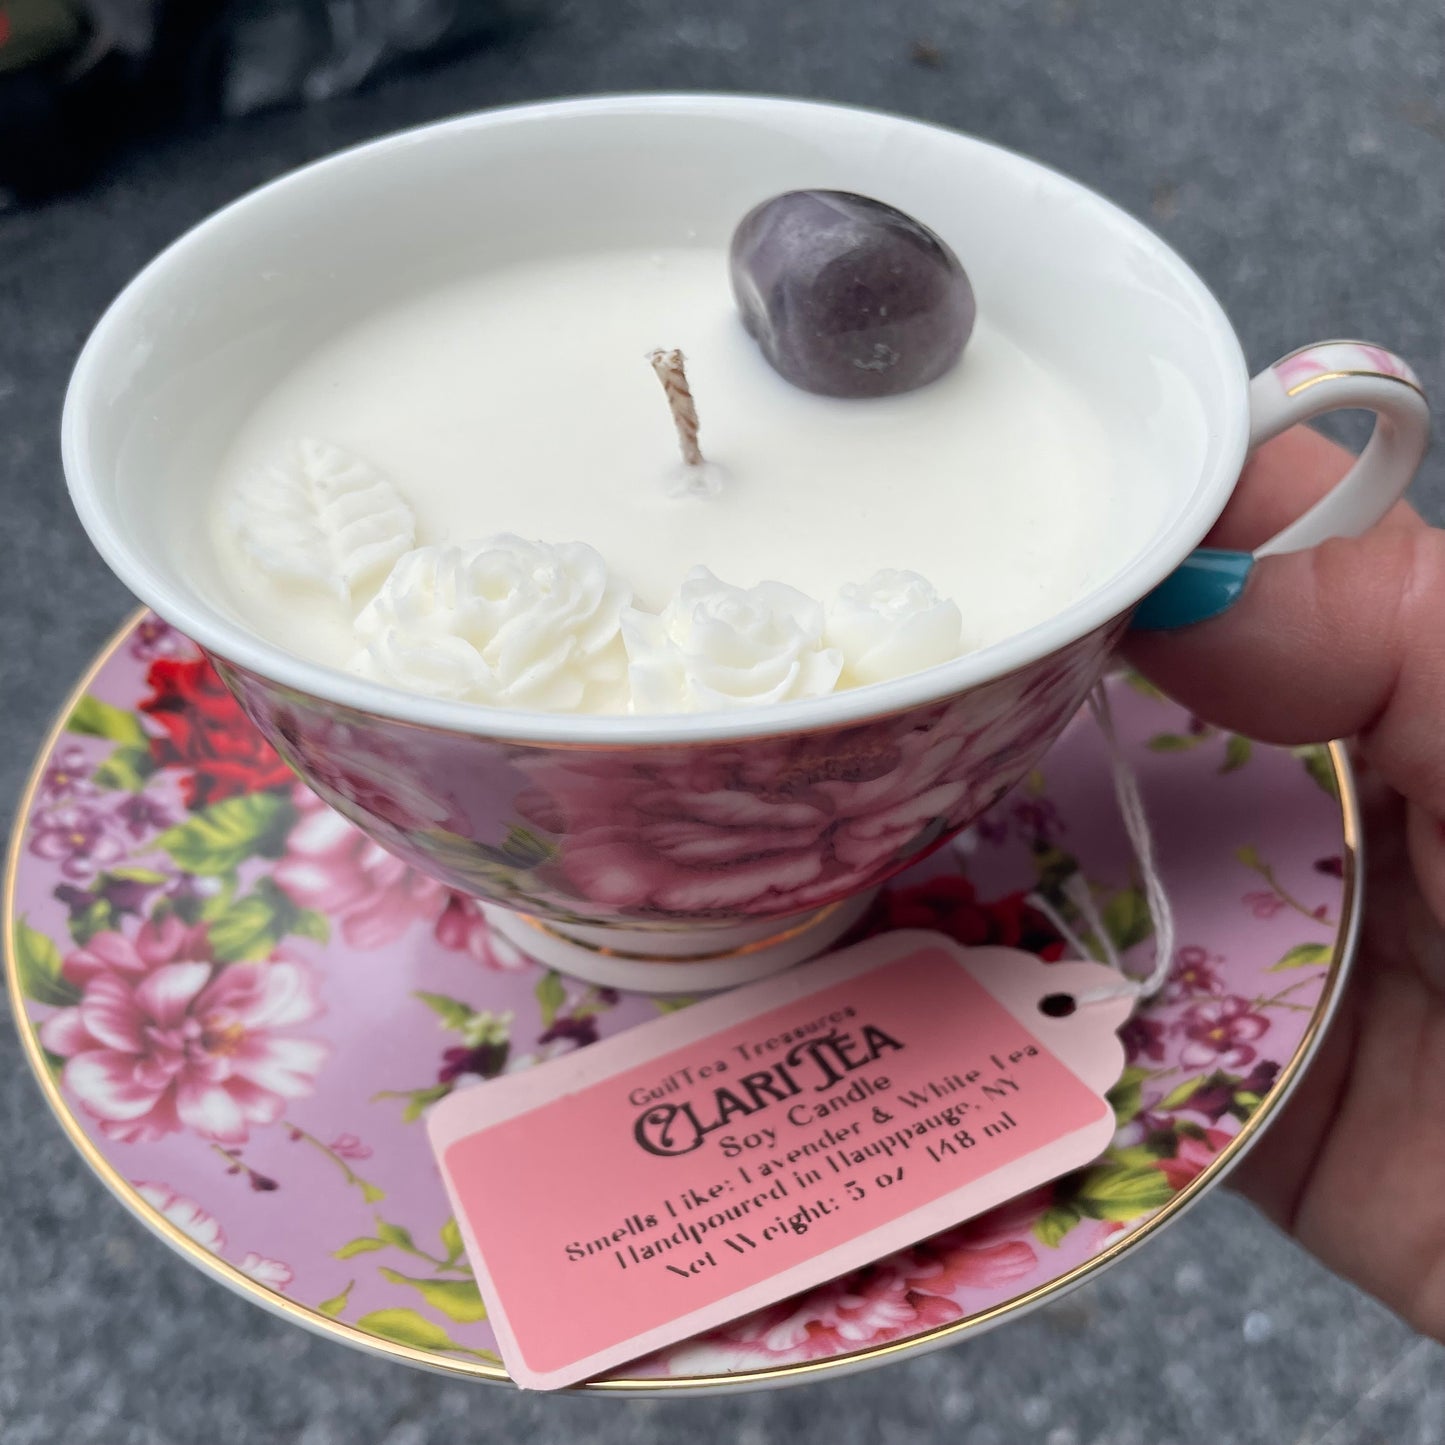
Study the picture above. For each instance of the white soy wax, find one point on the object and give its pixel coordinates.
(522, 400)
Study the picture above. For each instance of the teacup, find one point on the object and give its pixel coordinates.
(687, 852)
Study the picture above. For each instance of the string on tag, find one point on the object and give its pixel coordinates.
(1156, 897)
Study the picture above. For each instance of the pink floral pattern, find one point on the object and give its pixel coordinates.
(67, 776)
(1331, 356)
(348, 1146)
(463, 928)
(161, 1039)
(185, 1214)
(255, 1003)
(330, 867)
(364, 768)
(903, 1295)
(154, 638)
(203, 1229)
(1195, 973)
(270, 1272)
(79, 837)
(1196, 1152)
(1263, 904)
(1221, 1031)
(714, 833)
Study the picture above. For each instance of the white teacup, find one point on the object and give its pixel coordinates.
(686, 852)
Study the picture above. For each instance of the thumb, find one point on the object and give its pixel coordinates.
(1345, 639)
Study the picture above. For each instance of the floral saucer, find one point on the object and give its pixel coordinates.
(239, 1008)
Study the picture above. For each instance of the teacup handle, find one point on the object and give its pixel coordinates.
(1329, 376)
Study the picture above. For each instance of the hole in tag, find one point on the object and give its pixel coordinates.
(1057, 1005)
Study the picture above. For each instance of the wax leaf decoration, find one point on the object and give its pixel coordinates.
(323, 519)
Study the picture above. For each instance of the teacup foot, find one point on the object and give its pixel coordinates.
(682, 962)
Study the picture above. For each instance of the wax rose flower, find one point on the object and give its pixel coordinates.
(893, 624)
(503, 621)
(715, 646)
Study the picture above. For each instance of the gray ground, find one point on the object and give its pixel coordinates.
(1293, 152)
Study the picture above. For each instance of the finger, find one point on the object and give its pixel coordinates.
(1281, 482)
(1340, 640)
(1426, 835)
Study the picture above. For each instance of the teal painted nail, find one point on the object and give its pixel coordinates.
(1205, 584)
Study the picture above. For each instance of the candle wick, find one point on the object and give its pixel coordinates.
(668, 364)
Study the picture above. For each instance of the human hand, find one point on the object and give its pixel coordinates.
(1348, 640)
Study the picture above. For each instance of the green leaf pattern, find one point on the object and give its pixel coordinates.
(127, 769)
(332, 1307)
(1303, 955)
(220, 838)
(1127, 1096)
(551, 995)
(37, 962)
(251, 927)
(92, 718)
(1237, 752)
(457, 1299)
(366, 1244)
(407, 1327)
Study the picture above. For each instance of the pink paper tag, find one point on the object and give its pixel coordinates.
(761, 1142)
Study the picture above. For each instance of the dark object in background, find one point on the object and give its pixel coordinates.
(77, 77)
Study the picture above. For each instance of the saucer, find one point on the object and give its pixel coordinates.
(239, 1009)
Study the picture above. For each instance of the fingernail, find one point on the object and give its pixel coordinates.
(1209, 581)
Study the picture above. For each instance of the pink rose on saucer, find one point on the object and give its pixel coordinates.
(164, 1039)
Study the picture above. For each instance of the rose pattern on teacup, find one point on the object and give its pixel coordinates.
(309, 996)
(707, 832)
(784, 824)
